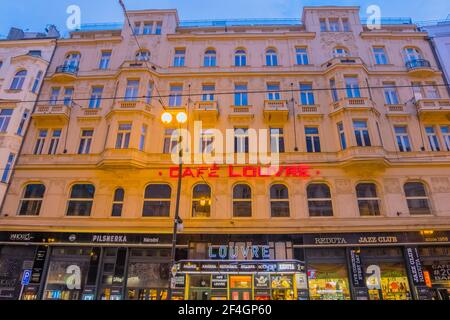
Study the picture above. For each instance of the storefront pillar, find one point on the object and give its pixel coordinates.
(44, 270)
(415, 274)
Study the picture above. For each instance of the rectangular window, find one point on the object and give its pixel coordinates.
(341, 133)
(334, 25)
(8, 168)
(37, 82)
(431, 90)
(334, 91)
(175, 98)
(433, 139)
(277, 140)
(158, 27)
(105, 59)
(22, 123)
(207, 141)
(352, 87)
(417, 90)
(143, 136)
(148, 97)
(302, 56)
(402, 137)
(345, 25)
(361, 133)
(5, 118)
(240, 95)
(208, 92)
(312, 139)
(42, 135)
(137, 28)
(241, 140)
(273, 91)
(179, 58)
(85, 141)
(68, 93)
(380, 55)
(56, 135)
(170, 141)
(96, 97)
(132, 90)
(148, 28)
(54, 96)
(390, 93)
(123, 136)
(445, 130)
(306, 94)
(323, 25)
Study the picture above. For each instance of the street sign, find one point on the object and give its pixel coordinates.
(26, 277)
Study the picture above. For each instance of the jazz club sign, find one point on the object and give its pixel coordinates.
(231, 171)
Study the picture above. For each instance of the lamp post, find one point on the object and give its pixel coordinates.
(167, 118)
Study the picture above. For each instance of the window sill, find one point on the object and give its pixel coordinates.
(13, 90)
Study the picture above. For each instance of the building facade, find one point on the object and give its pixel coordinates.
(358, 208)
(24, 58)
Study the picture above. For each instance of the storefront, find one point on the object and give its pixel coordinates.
(360, 266)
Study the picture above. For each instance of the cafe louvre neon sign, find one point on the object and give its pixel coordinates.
(231, 171)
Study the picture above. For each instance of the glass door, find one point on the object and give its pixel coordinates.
(241, 288)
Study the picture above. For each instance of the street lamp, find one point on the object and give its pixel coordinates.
(167, 118)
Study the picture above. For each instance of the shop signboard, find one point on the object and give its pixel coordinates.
(439, 272)
(356, 269)
(216, 266)
(38, 264)
(261, 281)
(179, 281)
(415, 266)
(219, 281)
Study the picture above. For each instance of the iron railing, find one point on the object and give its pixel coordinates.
(416, 64)
(67, 69)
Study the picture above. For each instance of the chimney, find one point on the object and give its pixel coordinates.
(16, 34)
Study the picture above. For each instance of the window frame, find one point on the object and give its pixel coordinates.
(377, 200)
(161, 201)
(279, 200)
(247, 201)
(425, 197)
(78, 200)
(194, 200)
(323, 200)
(38, 200)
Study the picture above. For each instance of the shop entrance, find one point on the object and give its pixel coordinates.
(441, 294)
(241, 287)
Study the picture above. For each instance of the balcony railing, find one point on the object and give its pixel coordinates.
(67, 69)
(417, 64)
(275, 105)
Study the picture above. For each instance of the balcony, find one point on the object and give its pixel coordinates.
(305, 111)
(276, 111)
(206, 111)
(342, 62)
(49, 114)
(354, 105)
(87, 114)
(393, 110)
(434, 109)
(241, 113)
(65, 73)
(419, 68)
(131, 107)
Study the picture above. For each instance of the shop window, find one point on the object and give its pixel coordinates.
(117, 206)
(201, 201)
(319, 200)
(81, 200)
(387, 281)
(328, 281)
(417, 198)
(368, 201)
(242, 201)
(31, 202)
(279, 201)
(157, 200)
(147, 280)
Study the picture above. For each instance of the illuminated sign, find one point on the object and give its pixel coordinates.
(242, 252)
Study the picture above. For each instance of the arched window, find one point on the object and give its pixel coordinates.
(319, 200)
(201, 200)
(210, 59)
(340, 52)
(240, 58)
(119, 196)
(143, 55)
(271, 57)
(279, 201)
(242, 201)
(157, 199)
(18, 80)
(81, 200)
(417, 198)
(412, 54)
(72, 61)
(31, 202)
(368, 201)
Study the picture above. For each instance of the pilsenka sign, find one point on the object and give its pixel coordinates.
(215, 171)
(239, 251)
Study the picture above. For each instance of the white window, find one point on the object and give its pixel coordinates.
(137, 28)
(105, 59)
(148, 96)
(242, 201)
(23, 120)
(390, 93)
(208, 92)
(352, 87)
(54, 96)
(175, 98)
(179, 58)
(42, 135)
(96, 97)
(273, 91)
(334, 25)
(37, 82)
(8, 168)
(240, 58)
(306, 94)
(302, 56)
(412, 54)
(207, 141)
(54, 142)
(18, 80)
(361, 133)
(143, 55)
(433, 138)
(201, 201)
(240, 95)
(402, 137)
(241, 140)
(445, 130)
(68, 94)
(132, 90)
(271, 57)
(380, 55)
(148, 28)
(170, 141)
(85, 141)
(368, 200)
(345, 25)
(72, 61)
(279, 201)
(417, 89)
(158, 27)
(210, 59)
(81, 200)
(143, 137)
(117, 205)
(5, 118)
(342, 139)
(417, 198)
(340, 52)
(31, 201)
(277, 140)
(431, 90)
(312, 139)
(334, 91)
(323, 25)
(123, 136)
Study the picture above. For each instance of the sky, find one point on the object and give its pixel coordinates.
(34, 15)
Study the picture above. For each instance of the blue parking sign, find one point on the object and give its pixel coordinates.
(26, 277)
